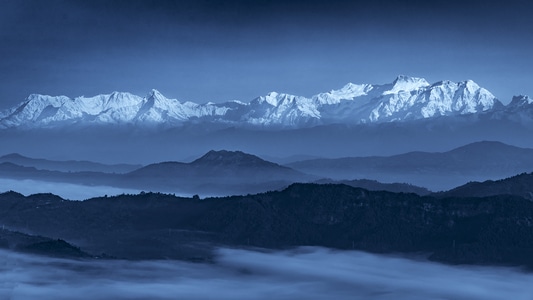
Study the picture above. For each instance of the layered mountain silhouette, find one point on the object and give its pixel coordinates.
(66, 166)
(215, 173)
(437, 171)
(235, 172)
(229, 171)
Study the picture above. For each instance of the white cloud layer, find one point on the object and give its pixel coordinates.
(64, 190)
(305, 273)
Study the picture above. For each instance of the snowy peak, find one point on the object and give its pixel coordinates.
(156, 100)
(444, 98)
(520, 101)
(404, 79)
(155, 94)
(406, 98)
(279, 110)
(276, 99)
(348, 92)
(404, 83)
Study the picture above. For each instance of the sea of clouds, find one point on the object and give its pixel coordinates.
(303, 273)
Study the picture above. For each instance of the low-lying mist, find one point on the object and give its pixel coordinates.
(304, 273)
(64, 190)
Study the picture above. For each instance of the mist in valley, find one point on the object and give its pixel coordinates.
(64, 190)
(302, 273)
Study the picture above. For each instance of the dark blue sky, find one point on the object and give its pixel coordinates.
(221, 50)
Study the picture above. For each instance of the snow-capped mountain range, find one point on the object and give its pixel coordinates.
(406, 98)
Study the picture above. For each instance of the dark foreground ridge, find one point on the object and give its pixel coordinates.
(519, 185)
(39, 245)
(495, 230)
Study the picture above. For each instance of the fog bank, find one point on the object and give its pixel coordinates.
(304, 273)
(64, 190)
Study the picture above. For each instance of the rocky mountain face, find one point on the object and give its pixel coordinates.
(406, 98)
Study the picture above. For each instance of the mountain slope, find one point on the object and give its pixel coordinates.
(373, 185)
(406, 98)
(215, 173)
(519, 185)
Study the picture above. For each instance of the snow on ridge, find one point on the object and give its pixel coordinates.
(349, 92)
(407, 98)
(521, 100)
(404, 83)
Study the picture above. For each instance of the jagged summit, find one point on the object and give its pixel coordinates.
(406, 98)
(404, 78)
(348, 92)
(155, 94)
(520, 100)
(404, 83)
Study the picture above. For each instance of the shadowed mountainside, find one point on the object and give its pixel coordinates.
(373, 185)
(18, 241)
(491, 230)
(520, 185)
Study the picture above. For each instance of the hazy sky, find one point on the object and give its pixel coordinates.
(207, 50)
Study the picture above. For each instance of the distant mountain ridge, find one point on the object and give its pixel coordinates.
(226, 172)
(66, 166)
(215, 173)
(232, 171)
(436, 171)
(406, 98)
